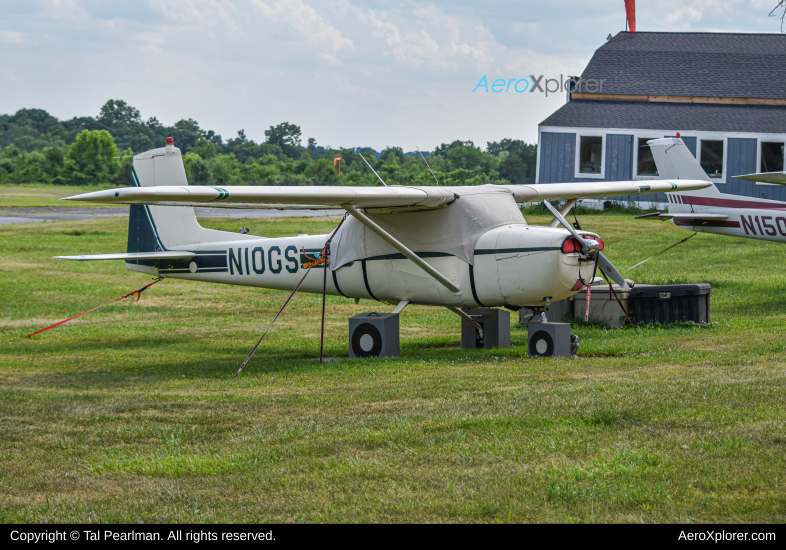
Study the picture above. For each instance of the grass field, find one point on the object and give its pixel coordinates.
(31, 195)
(131, 413)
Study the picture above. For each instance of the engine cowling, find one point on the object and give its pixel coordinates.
(524, 265)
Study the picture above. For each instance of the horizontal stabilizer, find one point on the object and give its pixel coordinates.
(685, 215)
(171, 255)
(778, 178)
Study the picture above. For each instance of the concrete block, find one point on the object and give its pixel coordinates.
(374, 335)
(548, 340)
(496, 328)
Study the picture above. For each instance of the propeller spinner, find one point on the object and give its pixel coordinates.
(591, 248)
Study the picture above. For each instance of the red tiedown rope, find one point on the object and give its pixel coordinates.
(138, 293)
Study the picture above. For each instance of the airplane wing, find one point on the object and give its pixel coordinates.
(592, 190)
(766, 177)
(317, 197)
(304, 197)
(686, 215)
(170, 255)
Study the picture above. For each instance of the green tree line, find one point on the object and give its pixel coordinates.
(39, 148)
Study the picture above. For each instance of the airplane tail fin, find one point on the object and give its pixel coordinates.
(160, 228)
(675, 162)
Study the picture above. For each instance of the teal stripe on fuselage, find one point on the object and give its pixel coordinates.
(478, 252)
(402, 257)
(487, 251)
(205, 270)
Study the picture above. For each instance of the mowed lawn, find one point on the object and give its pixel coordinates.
(43, 195)
(131, 413)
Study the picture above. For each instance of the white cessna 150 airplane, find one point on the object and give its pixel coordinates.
(442, 246)
(708, 210)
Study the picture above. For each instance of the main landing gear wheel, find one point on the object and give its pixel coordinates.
(366, 341)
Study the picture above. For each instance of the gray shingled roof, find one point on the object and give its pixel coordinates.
(678, 117)
(692, 64)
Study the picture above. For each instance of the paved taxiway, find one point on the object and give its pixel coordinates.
(66, 213)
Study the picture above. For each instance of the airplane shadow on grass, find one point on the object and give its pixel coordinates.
(173, 357)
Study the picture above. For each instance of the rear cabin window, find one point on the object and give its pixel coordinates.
(712, 157)
(590, 155)
(646, 165)
(771, 157)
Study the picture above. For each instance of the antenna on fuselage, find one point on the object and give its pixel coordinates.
(375, 172)
(427, 166)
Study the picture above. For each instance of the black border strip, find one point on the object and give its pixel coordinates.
(335, 283)
(472, 286)
(365, 280)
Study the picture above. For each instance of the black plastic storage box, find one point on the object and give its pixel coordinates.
(672, 303)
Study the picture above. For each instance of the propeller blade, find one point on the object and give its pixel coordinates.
(611, 272)
(601, 261)
(589, 288)
(567, 226)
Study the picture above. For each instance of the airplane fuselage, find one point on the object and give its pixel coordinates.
(514, 265)
(745, 216)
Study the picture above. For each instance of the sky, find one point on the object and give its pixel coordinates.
(349, 73)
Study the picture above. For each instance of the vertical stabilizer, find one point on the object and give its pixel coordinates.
(158, 228)
(154, 228)
(675, 162)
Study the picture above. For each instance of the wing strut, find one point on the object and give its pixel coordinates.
(564, 211)
(388, 238)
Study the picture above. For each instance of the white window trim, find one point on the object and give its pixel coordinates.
(725, 141)
(577, 163)
(636, 138)
(538, 152)
(645, 132)
(774, 139)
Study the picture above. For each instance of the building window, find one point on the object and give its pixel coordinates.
(771, 157)
(591, 155)
(646, 163)
(712, 157)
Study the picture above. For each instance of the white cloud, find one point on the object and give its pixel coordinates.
(198, 12)
(683, 17)
(393, 73)
(150, 43)
(10, 37)
(432, 38)
(311, 26)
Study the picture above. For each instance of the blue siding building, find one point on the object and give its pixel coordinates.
(722, 93)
